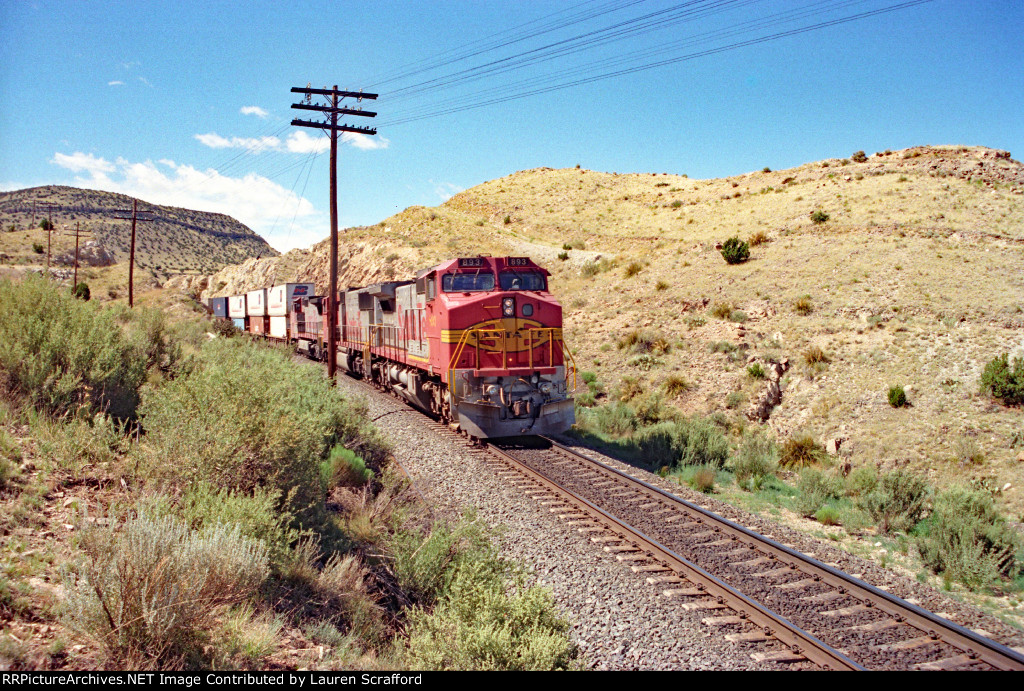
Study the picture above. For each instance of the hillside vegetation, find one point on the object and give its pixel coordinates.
(897, 269)
(176, 241)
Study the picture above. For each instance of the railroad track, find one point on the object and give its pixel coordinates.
(761, 590)
(790, 607)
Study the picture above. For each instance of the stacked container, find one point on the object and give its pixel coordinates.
(219, 307)
(237, 312)
(256, 308)
(280, 303)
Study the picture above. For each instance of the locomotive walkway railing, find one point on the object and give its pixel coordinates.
(530, 339)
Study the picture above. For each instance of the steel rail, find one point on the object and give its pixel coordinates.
(974, 645)
(801, 642)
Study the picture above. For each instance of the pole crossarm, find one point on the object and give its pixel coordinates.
(333, 92)
(340, 111)
(336, 128)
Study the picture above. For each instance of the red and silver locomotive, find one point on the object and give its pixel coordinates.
(476, 341)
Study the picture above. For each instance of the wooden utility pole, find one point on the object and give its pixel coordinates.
(78, 232)
(49, 209)
(145, 216)
(333, 128)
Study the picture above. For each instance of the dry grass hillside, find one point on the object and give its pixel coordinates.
(914, 279)
(177, 241)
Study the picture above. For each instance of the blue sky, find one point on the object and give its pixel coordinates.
(187, 103)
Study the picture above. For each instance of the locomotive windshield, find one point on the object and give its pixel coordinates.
(525, 280)
(467, 283)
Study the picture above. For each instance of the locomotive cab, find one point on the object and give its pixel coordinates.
(508, 366)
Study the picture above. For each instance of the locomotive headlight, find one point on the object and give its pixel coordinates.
(545, 388)
(508, 307)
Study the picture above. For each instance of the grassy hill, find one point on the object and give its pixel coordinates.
(177, 241)
(914, 279)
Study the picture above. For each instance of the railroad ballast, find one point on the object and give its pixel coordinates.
(476, 341)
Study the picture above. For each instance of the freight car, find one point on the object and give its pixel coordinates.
(476, 341)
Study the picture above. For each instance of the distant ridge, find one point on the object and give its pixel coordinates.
(178, 241)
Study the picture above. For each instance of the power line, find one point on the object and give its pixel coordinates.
(424, 113)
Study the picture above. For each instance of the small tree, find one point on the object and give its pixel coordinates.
(897, 396)
(735, 251)
(82, 292)
(859, 157)
(1005, 380)
(45, 224)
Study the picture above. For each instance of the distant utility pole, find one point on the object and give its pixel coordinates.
(48, 209)
(135, 216)
(74, 284)
(333, 128)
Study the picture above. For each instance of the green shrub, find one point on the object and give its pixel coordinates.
(827, 515)
(967, 540)
(490, 621)
(661, 286)
(702, 480)
(735, 251)
(692, 441)
(859, 157)
(257, 516)
(37, 247)
(1004, 380)
(755, 461)
(82, 292)
(245, 416)
(738, 316)
(755, 371)
(563, 256)
(800, 451)
(343, 468)
(151, 586)
(45, 224)
(897, 396)
(818, 217)
(897, 502)
(862, 481)
(617, 419)
(815, 488)
(64, 354)
(633, 269)
(734, 399)
(722, 310)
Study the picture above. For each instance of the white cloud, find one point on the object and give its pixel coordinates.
(365, 142)
(79, 162)
(115, 82)
(215, 141)
(297, 142)
(284, 218)
(301, 142)
(254, 110)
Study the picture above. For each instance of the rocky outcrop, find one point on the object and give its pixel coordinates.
(91, 253)
(762, 409)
